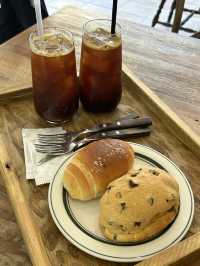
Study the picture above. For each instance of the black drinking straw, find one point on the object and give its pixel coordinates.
(114, 15)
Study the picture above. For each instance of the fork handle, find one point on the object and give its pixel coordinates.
(117, 134)
(119, 124)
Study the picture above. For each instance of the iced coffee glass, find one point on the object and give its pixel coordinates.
(54, 74)
(100, 67)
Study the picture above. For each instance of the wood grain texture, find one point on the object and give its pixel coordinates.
(14, 92)
(20, 113)
(167, 63)
(21, 208)
(183, 131)
(12, 248)
(181, 254)
(170, 66)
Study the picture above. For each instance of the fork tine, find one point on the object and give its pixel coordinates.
(49, 149)
(52, 135)
(55, 150)
(64, 134)
(57, 137)
(53, 147)
(51, 152)
(54, 142)
(51, 138)
(50, 145)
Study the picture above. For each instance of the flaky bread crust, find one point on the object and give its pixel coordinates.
(90, 171)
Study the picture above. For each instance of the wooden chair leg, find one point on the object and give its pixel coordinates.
(178, 15)
(173, 6)
(156, 17)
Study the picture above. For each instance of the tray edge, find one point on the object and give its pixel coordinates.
(178, 124)
(185, 134)
(184, 249)
(33, 238)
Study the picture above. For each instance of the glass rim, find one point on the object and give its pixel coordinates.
(101, 19)
(35, 33)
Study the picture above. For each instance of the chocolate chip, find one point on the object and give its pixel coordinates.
(123, 205)
(108, 188)
(132, 183)
(150, 201)
(118, 195)
(122, 227)
(172, 209)
(115, 237)
(134, 175)
(154, 172)
(137, 224)
(7, 166)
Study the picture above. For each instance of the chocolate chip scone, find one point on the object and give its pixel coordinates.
(139, 205)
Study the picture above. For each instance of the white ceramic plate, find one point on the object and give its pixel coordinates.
(78, 221)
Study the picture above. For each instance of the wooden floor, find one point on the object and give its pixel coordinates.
(139, 11)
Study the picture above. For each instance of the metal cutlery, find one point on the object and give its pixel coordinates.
(67, 138)
(57, 144)
(48, 138)
(64, 148)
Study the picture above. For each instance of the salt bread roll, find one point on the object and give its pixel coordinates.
(92, 168)
(139, 205)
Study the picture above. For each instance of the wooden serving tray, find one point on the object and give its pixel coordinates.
(45, 243)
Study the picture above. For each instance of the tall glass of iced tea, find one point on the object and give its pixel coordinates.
(100, 67)
(54, 74)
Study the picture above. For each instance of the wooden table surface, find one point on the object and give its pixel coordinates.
(166, 62)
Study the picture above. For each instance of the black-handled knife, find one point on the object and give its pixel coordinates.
(121, 124)
(118, 134)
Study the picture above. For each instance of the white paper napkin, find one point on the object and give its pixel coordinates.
(42, 173)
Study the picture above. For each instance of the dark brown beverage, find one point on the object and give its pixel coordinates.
(100, 70)
(54, 76)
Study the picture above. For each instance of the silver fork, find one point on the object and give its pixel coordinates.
(70, 136)
(59, 139)
(55, 143)
(65, 148)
